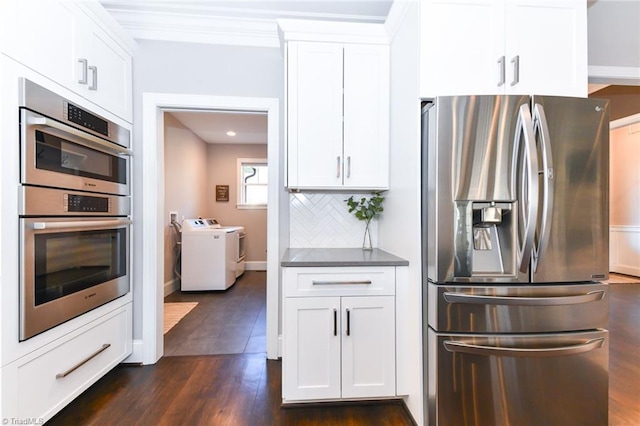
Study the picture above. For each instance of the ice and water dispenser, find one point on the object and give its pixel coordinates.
(485, 239)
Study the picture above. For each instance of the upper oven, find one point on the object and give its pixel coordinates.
(65, 146)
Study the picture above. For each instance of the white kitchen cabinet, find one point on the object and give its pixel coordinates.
(339, 333)
(103, 70)
(40, 34)
(62, 41)
(40, 384)
(337, 115)
(503, 47)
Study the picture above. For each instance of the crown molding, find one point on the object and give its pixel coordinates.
(332, 31)
(614, 75)
(399, 11)
(200, 22)
(152, 25)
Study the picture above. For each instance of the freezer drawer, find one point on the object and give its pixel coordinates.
(542, 379)
(517, 309)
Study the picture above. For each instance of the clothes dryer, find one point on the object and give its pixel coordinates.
(209, 255)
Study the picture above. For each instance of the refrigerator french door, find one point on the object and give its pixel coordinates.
(515, 240)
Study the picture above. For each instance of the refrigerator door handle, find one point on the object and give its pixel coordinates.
(484, 350)
(542, 128)
(592, 296)
(529, 184)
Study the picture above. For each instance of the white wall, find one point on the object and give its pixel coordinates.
(185, 178)
(624, 200)
(613, 28)
(399, 232)
(614, 33)
(198, 69)
(222, 166)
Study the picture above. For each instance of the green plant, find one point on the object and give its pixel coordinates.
(366, 209)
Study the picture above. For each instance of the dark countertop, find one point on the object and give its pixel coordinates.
(309, 257)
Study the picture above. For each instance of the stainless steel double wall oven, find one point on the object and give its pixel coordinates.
(74, 210)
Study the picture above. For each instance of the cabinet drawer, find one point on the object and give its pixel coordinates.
(45, 384)
(339, 281)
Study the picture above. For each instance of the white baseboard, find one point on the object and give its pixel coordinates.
(624, 250)
(136, 354)
(171, 286)
(255, 266)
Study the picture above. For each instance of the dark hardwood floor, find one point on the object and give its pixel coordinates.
(245, 389)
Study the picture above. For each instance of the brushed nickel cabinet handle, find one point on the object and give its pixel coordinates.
(94, 80)
(83, 78)
(502, 71)
(83, 362)
(516, 70)
(340, 282)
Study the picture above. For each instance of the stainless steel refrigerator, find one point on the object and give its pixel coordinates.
(515, 217)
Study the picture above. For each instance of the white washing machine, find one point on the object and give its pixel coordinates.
(209, 255)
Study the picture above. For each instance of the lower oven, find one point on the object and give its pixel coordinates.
(72, 260)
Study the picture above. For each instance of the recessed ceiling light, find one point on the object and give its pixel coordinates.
(231, 133)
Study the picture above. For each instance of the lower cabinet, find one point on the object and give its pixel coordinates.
(39, 385)
(339, 347)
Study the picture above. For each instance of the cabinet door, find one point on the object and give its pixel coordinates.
(314, 107)
(368, 350)
(552, 54)
(311, 355)
(40, 34)
(462, 46)
(366, 116)
(109, 77)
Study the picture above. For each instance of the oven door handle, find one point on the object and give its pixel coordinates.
(44, 121)
(82, 224)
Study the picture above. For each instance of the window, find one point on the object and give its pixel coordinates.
(253, 182)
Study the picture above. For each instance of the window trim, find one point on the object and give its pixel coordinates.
(240, 163)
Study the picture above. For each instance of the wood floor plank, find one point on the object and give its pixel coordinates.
(245, 389)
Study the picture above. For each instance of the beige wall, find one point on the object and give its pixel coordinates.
(625, 176)
(222, 163)
(185, 190)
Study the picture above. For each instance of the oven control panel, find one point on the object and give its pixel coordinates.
(40, 201)
(86, 203)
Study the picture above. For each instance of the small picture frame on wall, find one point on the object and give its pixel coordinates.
(222, 192)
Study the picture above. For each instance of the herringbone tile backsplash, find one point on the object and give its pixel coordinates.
(323, 220)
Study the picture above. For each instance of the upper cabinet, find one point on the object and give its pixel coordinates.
(503, 47)
(337, 114)
(103, 70)
(67, 43)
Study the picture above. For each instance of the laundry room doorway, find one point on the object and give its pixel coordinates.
(154, 223)
(215, 168)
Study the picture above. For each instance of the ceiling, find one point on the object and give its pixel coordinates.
(212, 126)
